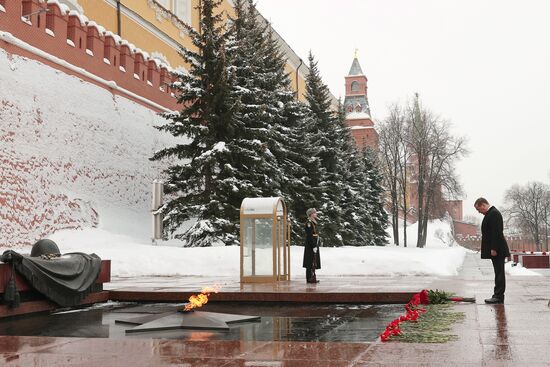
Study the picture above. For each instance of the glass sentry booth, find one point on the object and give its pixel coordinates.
(265, 240)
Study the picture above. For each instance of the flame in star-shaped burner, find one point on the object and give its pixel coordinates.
(200, 299)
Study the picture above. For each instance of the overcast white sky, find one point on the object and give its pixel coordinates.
(484, 65)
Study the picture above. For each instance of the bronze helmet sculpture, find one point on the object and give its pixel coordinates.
(44, 247)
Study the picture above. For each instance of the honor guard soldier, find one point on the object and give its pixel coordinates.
(312, 259)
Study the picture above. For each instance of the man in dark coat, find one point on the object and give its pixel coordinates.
(312, 259)
(493, 246)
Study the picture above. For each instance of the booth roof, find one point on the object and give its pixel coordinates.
(262, 205)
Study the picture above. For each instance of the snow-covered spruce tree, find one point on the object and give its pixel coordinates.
(272, 117)
(356, 226)
(324, 129)
(296, 153)
(257, 168)
(293, 145)
(201, 178)
(374, 191)
(301, 165)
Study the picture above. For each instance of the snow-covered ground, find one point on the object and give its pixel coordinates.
(133, 255)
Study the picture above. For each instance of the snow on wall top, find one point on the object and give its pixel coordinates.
(64, 8)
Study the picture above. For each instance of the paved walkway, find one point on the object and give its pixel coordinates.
(513, 334)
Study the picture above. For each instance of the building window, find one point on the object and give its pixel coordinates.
(350, 108)
(354, 86)
(164, 3)
(182, 9)
(358, 108)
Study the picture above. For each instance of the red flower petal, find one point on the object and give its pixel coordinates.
(424, 297)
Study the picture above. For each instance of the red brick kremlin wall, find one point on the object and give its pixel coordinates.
(63, 35)
(76, 124)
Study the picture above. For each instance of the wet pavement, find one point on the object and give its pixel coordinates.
(278, 322)
(513, 334)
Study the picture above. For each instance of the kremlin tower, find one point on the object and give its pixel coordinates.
(356, 105)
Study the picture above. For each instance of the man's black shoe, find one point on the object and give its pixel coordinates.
(494, 301)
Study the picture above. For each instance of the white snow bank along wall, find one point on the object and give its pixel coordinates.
(68, 149)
